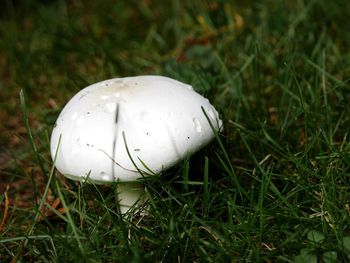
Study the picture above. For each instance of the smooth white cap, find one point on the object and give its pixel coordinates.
(161, 120)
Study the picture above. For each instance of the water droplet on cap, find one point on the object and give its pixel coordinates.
(104, 97)
(74, 116)
(110, 107)
(197, 125)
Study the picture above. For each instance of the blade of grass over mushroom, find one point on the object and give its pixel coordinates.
(87, 179)
(142, 173)
(146, 167)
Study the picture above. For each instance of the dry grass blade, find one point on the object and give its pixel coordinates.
(5, 215)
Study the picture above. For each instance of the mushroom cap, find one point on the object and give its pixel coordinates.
(117, 128)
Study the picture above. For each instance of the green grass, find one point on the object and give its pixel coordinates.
(274, 186)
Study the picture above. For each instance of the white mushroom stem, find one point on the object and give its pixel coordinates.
(130, 194)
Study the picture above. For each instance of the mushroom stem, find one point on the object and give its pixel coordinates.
(130, 194)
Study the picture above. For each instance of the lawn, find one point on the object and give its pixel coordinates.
(273, 186)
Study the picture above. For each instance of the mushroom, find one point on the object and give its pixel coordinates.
(122, 129)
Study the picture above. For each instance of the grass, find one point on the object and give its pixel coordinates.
(274, 186)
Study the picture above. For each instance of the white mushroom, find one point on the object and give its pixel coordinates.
(125, 128)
